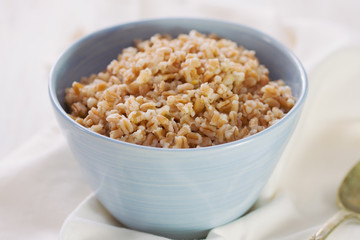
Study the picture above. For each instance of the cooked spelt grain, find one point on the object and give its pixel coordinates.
(190, 91)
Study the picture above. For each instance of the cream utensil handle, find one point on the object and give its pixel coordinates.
(332, 223)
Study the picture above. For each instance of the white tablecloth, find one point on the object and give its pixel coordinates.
(41, 184)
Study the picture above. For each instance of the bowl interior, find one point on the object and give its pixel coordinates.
(94, 52)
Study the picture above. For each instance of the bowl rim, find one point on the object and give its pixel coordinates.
(285, 50)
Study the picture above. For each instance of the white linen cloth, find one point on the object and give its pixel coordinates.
(41, 184)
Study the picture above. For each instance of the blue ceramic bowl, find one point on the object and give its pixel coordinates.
(177, 193)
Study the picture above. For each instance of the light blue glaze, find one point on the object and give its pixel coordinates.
(175, 193)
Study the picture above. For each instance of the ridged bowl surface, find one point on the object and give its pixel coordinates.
(175, 193)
